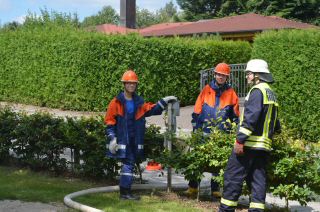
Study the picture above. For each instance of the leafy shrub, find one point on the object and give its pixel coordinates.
(8, 122)
(293, 170)
(43, 142)
(38, 141)
(293, 57)
(62, 67)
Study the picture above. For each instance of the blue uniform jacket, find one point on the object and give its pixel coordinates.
(116, 121)
(214, 106)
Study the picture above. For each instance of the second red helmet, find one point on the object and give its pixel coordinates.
(222, 68)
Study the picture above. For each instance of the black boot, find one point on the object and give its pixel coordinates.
(125, 194)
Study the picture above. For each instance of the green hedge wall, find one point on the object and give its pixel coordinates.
(294, 60)
(72, 69)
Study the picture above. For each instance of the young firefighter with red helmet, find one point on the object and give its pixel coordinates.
(258, 122)
(125, 120)
(217, 105)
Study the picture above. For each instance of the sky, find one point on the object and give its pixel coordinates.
(16, 10)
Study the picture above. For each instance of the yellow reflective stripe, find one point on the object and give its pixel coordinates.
(229, 202)
(275, 118)
(241, 116)
(254, 144)
(259, 139)
(267, 122)
(245, 131)
(257, 205)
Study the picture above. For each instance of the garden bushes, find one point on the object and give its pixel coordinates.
(63, 67)
(293, 57)
(43, 142)
(293, 170)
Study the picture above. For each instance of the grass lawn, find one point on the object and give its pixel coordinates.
(25, 185)
(158, 202)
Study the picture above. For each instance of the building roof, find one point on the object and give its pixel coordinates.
(113, 29)
(249, 22)
(162, 26)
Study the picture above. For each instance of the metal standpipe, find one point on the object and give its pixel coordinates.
(173, 111)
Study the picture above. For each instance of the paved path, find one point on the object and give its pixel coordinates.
(183, 121)
(19, 206)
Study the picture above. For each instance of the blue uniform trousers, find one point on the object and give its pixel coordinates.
(128, 164)
(250, 167)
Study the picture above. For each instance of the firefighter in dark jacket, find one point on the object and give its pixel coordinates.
(125, 120)
(217, 106)
(258, 123)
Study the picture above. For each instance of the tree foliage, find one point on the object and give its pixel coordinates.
(11, 26)
(107, 15)
(304, 10)
(196, 10)
(168, 13)
(145, 18)
(47, 18)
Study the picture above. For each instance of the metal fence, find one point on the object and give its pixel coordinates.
(237, 78)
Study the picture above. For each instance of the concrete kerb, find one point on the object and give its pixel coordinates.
(73, 204)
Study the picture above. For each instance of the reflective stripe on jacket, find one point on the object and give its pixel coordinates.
(214, 106)
(116, 121)
(259, 121)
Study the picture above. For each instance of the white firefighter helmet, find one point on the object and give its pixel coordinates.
(260, 67)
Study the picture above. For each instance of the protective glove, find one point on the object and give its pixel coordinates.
(113, 146)
(238, 148)
(169, 98)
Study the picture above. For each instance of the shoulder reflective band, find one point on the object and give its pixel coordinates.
(229, 202)
(257, 205)
(161, 105)
(140, 146)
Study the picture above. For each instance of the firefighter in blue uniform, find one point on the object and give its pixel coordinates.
(258, 123)
(217, 106)
(125, 120)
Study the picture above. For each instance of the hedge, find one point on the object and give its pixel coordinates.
(73, 69)
(294, 60)
(77, 146)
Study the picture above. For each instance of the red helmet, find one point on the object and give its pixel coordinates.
(129, 76)
(222, 68)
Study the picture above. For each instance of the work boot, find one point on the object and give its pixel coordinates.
(191, 192)
(125, 194)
